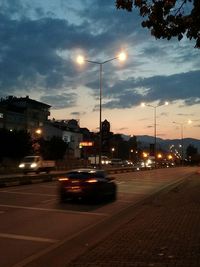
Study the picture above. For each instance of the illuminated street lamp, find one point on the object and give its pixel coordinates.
(145, 155)
(81, 60)
(155, 130)
(181, 128)
(38, 131)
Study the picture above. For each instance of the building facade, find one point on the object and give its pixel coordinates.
(23, 114)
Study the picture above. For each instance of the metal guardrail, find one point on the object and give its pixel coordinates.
(43, 177)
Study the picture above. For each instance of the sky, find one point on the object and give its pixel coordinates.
(39, 44)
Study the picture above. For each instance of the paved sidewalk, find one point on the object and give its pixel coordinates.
(164, 232)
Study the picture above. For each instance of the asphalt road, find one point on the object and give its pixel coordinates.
(35, 228)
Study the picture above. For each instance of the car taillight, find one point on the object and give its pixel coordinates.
(92, 180)
(63, 179)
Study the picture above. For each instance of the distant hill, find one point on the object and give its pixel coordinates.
(145, 140)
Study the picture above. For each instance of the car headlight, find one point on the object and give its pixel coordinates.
(22, 165)
(33, 165)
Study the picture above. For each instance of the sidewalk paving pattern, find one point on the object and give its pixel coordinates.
(164, 232)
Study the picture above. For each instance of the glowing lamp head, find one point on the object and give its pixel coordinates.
(80, 60)
(122, 56)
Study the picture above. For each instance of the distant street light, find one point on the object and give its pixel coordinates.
(38, 131)
(81, 60)
(181, 128)
(155, 130)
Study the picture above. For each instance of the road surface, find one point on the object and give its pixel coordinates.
(36, 230)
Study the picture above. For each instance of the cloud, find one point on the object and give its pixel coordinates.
(77, 114)
(31, 47)
(65, 100)
(185, 114)
(28, 54)
(37, 47)
(131, 92)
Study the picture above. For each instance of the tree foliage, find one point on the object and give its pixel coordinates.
(192, 155)
(168, 18)
(54, 148)
(191, 150)
(14, 144)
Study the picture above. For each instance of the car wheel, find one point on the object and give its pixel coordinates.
(113, 196)
(62, 198)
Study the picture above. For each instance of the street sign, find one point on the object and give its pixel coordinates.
(86, 144)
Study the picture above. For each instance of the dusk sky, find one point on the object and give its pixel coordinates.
(40, 41)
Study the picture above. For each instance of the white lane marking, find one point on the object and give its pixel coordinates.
(55, 210)
(48, 201)
(27, 193)
(28, 238)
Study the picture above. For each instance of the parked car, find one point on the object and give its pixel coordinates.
(88, 184)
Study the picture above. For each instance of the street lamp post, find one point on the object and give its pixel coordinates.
(155, 125)
(81, 60)
(112, 151)
(182, 145)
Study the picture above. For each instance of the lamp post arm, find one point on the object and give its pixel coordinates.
(94, 62)
(101, 63)
(109, 60)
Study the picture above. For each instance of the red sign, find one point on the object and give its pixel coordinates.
(89, 143)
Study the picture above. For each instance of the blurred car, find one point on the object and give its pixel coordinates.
(127, 163)
(116, 162)
(88, 184)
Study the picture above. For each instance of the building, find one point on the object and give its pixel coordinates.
(68, 130)
(23, 113)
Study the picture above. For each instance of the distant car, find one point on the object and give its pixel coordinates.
(116, 162)
(88, 184)
(127, 163)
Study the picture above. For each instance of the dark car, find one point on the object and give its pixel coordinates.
(88, 184)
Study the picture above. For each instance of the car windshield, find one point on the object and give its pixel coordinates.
(29, 159)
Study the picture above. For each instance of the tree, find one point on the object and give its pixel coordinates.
(168, 18)
(54, 148)
(191, 152)
(14, 144)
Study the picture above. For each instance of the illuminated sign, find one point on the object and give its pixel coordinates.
(89, 143)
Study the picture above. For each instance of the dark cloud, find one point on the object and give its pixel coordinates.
(75, 113)
(32, 49)
(131, 92)
(185, 114)
(29, 51)
(65, 100)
